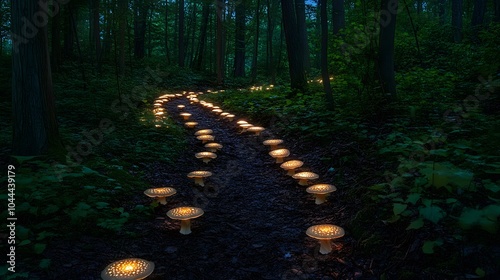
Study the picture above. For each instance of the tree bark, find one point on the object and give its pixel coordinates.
(271, 65)
(338, 16)
(300, 10)
(122, 26)
(324, 55)
(496, 6)
(220, 7)
(205, 13)
(256, 42)
(141, 8)
(478, 18)
(442, 4)
(56, 42)
(69, 35)
(96, 32)
(167, 51)
(456, 20)
(239, 42)
(35, 129)
(181, 34)
(294, 47)
(386, 48)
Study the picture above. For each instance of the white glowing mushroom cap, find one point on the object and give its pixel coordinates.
(128, 269)
(216, 146)
(321, 189)
(272, 142)
(256, 129)
(160, 192)
(223, 114)
(185, 114)
(325, 231)
(306, 175)
(205, 155)
(184, 213)
(181, 106)
(291, 164)
(203, 132)
(241, 122)
(279, 153)
(206, 137)
(191, 124)
(246, 125)
(199, 174)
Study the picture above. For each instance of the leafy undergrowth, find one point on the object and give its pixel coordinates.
(85, 189)
(436, 207)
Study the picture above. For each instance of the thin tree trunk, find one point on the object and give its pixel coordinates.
(96, 33)
(56, 42)
(456, 20)
(181, 34)
(324, 55)
(270, 34)
(441, 4)
(256, 42)
(69, 36)
(239, 42)
(496, 6)
(194, 26)
(35, 129)
(220, 7)
(203, 36)
(300, 10)
(478, 18)
(338, 16)
(167, 51)
(122, 25)
(386, 49)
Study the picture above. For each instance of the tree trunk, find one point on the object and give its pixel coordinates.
(167, 51)
(478, 18)
(141, 8)
(386, 48)
(456, 20)
(256, 42)
(442, 4)
(56, 42)
(324, 55)
(193, 33)
(109, 20)
(35, 130)
(338, 16)
(69, 35)
(239, 41)
(181, 34)
(122, 26)
(205, 13)
(300, 10)
(220, 7)
(496, 6)
(294, 47)
(271, 66)
(96, 32)
(419, 7)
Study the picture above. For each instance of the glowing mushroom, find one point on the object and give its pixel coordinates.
(213, 147)
(224, 114)
(304, 176)
(325, 233)
(256, 129)
(185, 116)
(185, 214)
(240, 122)
(205, 138)
(191, 124)
(128, 269)
(321, 191)
(198, 176)
(230, 117)
(279, 154)
(160, 194)
(181, 107)
(203, 132)
(291, 165)
(217, 111)
(245, 126)
(206, 156)
(272, 143)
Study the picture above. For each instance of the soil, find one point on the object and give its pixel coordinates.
(254, 223)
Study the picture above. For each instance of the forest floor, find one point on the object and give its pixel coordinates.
(254, 223)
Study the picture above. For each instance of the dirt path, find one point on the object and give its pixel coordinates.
(253, 227)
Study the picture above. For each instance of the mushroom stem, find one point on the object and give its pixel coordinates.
(279, 160)
(273, 147)
(325, 246)
(213, 150)
(303, 182)
(162, 200)
(290, 172)
(185, 117)
(186, 227)
(199, 181)
(320, 198)
(206, 160)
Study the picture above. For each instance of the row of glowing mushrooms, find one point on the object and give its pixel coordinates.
(323, 232)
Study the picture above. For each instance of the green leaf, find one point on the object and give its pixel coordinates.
(44, 263)
(101, 205)
(480, 272)
(492, 187)
(428, 247)
(39, 248)
(418, 223)
(432, 213)
(51, 208)
(25, 242)
(469, 218)
(413, 198)
(398, 208)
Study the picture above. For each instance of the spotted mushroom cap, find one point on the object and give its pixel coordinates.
(272, 142)
(205, 155)
(206, 137)
(160, 192)
(199, 174)
(279, 153)
(306, 175)
(255, 129)
(325, 231)
(291, 164)
(184, 213)
(128, 269)
(203, 132)
(321, 189)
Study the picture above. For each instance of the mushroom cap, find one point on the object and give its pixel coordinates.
(306, 175)
(321, 189)
(223, 114)
(256, 129)
(246, 125)
(215, 107)
(184, 213)
(291, 164)
(181, 106)
(191, 123)
(160, 192)
(178, 94)
(229, 116)
(272, 142)
(279, 153)
(241, 122)
(203, 132)
(206, 137)
(185, 114)
(205, 155)
(213, 145)
(199, 174)
(325, 231)
(128, 269)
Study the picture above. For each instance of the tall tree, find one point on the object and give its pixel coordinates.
(69, 34)
(180, 42)
(220, 8)
(294, 47)
(239, 42)
(386, 47)
(300, 15)
(141, 8)
(205, 13)
(256, 42)
(477, 18)
(122, 26)
(35, 128)
(338, 16)
(324, 54)
(96, 31)
(441, 6)
(496, 7)
(167, 51)
(55, 54)
(272, 6)
(456, 20)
